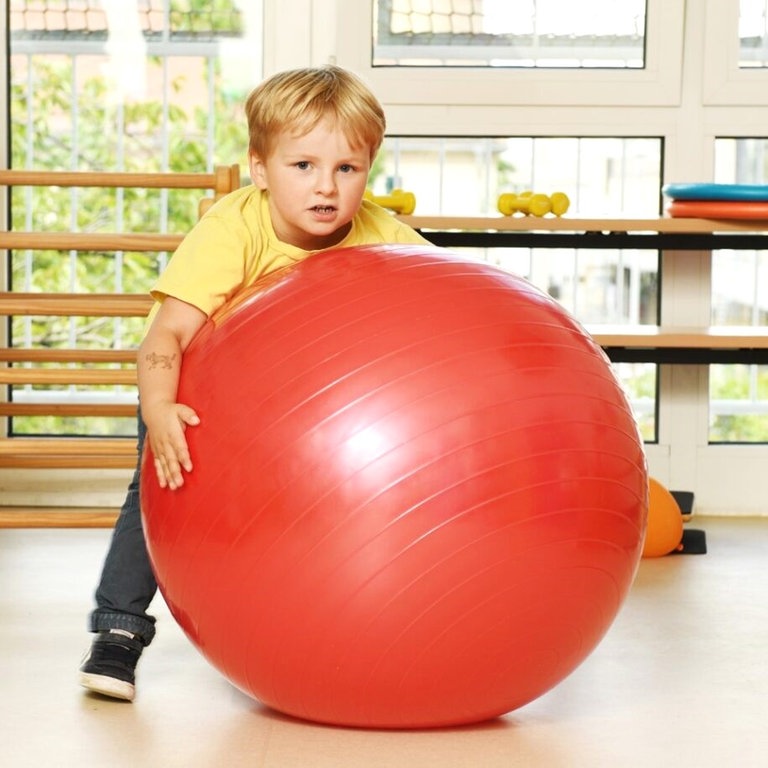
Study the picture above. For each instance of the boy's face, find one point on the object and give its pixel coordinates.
(316, 183)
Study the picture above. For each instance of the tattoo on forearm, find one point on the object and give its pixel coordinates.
(159, 361)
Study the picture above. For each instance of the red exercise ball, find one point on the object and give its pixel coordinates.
(419, 494)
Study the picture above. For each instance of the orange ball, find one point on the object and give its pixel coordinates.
(665, 522)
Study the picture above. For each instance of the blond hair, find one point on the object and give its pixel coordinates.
(297, 100)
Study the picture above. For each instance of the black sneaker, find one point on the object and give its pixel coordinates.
(110, 666)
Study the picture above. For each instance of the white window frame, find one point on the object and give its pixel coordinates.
(725, 83)
(657, 84)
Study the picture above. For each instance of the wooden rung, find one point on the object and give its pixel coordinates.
(68, 453)
(57, 355)
(67, 376)
(58, 517)
(66, 461)
(93, 446)
(221, 178)
(76, 304)
(96, 410)
(90, 241)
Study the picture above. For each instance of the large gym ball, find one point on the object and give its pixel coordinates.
(418, 497)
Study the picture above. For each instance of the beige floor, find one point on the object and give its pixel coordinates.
(680, 680)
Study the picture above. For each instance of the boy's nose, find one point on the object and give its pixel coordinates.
(326, 183)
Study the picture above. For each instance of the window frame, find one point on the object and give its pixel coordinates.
(652, 85)
(725, 83)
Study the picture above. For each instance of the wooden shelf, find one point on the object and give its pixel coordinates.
(662, 233)
(566, 224)
(722, 337)
(680, 345)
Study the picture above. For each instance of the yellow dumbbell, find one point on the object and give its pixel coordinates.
(532, 204)
(397, 200)
(560, 203)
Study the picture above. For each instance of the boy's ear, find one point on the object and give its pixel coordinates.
(257, 171)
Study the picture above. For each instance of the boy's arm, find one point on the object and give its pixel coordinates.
(158, 367)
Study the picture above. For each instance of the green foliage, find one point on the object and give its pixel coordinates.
(639, 383)
(206, 16)
(740, 384)
(748, 428)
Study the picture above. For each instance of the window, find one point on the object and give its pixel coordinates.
(632, 55)
(736, 42)
(497, 33)
(753, 33)
(465, 176)
(739, 393)
(110, 85)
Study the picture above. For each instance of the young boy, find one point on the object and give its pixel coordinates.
(313, 135)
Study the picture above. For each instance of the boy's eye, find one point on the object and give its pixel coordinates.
(346, 168)
(302, 165)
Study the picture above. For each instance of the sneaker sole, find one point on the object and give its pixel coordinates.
(108, 686)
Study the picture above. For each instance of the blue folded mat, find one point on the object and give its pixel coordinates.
(709, 191)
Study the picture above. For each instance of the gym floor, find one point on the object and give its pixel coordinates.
(681, 679)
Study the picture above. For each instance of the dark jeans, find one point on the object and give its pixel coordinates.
(127, 584)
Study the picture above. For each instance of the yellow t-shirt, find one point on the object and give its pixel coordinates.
(234, 244)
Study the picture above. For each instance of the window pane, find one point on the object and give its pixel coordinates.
(500, 33)
(464, 176)
(640, 381)
(753, 33)
(602, 177)
(738, 394)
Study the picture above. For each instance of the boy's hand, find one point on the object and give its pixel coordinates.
(166, 425)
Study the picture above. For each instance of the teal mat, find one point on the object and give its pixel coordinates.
(720, 192)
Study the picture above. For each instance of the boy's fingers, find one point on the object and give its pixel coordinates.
(168, 472)
(188, 416)
(160, 473)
